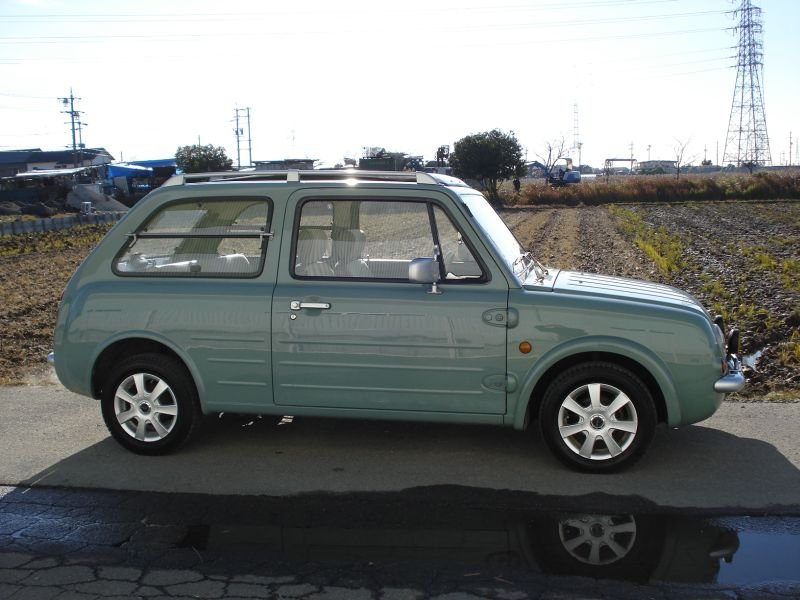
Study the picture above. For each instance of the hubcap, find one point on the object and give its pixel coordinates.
(145, 407)
(598, 539)
(597, 421)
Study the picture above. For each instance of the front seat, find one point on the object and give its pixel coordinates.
(311, 246)
(348, 247)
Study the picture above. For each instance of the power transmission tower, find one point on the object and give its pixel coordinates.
(75, 123)
(747, 143)
(239, 131)
(576, 136)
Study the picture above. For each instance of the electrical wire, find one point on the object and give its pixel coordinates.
(565, 5)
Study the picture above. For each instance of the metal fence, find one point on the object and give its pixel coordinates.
(34, 225)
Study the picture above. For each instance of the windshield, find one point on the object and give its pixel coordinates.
(514, 255)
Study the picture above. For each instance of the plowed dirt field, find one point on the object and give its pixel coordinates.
(740, 259)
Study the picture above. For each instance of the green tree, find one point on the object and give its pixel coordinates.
(488, 157)
(202, 159)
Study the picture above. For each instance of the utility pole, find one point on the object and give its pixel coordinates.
(747, 142)
(790, 148)
(249, 141)
(74, 116)
(631, 171)
(81, 145)
(648, 151)
(239, 131)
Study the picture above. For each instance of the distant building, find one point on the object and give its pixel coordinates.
(302, 164)
(656, 167)
(36, 159)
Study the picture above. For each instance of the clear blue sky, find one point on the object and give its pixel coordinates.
(324, 79)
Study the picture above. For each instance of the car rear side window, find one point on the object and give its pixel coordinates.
(208, 237)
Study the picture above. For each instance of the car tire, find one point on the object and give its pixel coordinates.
(150, 403)
(597, 417)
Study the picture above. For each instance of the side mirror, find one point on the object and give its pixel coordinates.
(423, 270)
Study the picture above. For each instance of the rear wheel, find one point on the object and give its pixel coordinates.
(597, 417)
(150, 403)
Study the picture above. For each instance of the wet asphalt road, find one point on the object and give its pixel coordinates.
(441, 544)
(315, 508)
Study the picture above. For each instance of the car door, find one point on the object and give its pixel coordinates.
(351, 331)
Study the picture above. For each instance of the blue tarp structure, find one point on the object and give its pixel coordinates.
(159, 162)
(128, 170)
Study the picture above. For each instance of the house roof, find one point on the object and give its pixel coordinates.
(34, 155)
(16, 156)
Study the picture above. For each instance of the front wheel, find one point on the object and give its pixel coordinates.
(597, 417)
(149, 403)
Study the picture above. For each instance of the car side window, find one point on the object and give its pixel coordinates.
(208, 237)
(376, 239)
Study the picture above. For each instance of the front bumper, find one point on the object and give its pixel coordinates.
(733, 380)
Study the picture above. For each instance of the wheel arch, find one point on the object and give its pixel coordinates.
(138, 344)
(638, 360)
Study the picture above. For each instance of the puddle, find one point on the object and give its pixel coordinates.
(750, 360)
(410, 538)
(628, 547)
(769, 551)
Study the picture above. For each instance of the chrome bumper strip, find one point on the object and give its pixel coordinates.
(734, 380)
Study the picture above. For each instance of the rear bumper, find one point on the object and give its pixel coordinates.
(733, 380)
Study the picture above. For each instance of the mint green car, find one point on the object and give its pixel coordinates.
(379, 296)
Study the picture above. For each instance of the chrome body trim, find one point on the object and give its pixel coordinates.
(733, 380)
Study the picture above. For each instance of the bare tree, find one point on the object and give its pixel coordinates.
(555, 150)
(680, 155)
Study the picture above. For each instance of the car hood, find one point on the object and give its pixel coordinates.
(619, 288)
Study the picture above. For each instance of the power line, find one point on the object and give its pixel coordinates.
(6, 95)
(216, 15)
(522, 41)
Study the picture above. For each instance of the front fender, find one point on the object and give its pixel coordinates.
(606, 344)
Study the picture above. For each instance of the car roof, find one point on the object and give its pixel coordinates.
(297, 176)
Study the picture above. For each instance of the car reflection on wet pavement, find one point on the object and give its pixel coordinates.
(427, 542)
(622, 547)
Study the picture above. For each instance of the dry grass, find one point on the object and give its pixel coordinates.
(662, 188)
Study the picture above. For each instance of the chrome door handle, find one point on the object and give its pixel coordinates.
(297, 305)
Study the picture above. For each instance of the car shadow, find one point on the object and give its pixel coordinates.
(695, 467)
